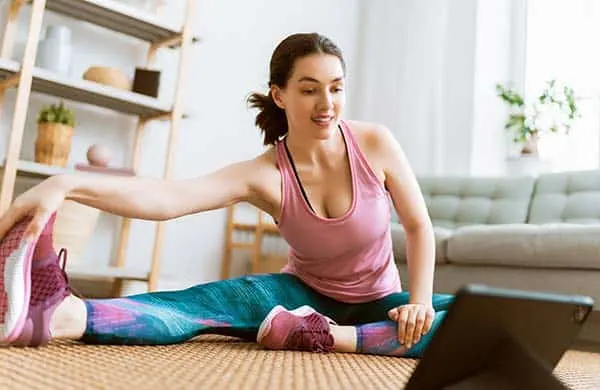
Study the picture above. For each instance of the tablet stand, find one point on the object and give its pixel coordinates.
(510, 366)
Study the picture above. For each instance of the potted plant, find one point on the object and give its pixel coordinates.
(554, 111)
(55, 130)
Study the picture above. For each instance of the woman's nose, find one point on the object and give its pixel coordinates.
(326, 100)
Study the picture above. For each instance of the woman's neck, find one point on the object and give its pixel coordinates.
(315, 151)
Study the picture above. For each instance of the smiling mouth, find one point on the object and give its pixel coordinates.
(323, 121)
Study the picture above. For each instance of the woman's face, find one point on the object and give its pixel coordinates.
(314, 96)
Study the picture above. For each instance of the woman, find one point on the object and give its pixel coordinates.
(325, 181)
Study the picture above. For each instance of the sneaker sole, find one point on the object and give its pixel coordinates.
(15, 283)
(265, 326)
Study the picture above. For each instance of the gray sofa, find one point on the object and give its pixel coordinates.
(518, 232)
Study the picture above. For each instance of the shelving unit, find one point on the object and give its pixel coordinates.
(27, 79)
(88, 92)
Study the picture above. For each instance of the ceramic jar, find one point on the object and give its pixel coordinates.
(54, 51)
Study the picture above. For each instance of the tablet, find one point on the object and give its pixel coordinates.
(496, 338)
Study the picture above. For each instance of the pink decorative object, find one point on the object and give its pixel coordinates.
(98, 155)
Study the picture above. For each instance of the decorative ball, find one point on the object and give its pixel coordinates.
(98, 155)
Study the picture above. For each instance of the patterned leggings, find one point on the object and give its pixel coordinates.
(233, 307)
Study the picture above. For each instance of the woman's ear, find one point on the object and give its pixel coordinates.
(277, 95)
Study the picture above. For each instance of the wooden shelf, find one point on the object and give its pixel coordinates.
(27, 78)
(117, 17)
(88, 92)
(36, 170)
(94, 271)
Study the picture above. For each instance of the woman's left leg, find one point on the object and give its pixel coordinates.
(368, 328)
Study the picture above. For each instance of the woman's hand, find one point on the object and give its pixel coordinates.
(38, 203)
(414, 320)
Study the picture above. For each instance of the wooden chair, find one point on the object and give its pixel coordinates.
(258, 230)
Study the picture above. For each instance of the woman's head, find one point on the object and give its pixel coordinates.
(306, 87)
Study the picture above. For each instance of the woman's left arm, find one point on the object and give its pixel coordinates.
(417, 317)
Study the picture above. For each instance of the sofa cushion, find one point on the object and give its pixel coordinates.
(567, 197)
(457, 201)
(399, 243)
(545, 246)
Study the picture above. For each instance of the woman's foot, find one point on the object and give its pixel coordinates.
(299, 329)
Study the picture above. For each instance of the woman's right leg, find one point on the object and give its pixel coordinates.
(233, 307)
(36, 300)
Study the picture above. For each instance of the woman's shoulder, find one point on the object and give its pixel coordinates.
(267, 159)
(265, 167)
(370, 135)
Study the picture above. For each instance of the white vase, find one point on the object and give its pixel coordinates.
(54, 51)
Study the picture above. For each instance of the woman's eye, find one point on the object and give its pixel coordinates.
(338, 89)
(308, 91)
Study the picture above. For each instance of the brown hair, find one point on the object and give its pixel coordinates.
(271, 119)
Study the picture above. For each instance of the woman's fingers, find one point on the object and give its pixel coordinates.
(419, 325)
(402, 320)
(10, 218)
(37, 224)
(410, 328)
(429, 317)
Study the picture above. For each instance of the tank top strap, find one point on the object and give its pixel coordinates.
(363, 170)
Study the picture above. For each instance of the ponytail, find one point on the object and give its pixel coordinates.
(271, 119)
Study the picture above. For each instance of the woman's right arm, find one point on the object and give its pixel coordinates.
(134, 197)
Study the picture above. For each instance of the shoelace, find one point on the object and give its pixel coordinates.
(312, 336)
(62, 255)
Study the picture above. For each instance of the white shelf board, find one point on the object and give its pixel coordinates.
(95, 271)
(41, 171)
(118, 17)
(36, 170)
(88, 92)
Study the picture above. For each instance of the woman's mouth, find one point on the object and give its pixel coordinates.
(323, 121)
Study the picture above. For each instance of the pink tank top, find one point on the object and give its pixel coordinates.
(348, 258)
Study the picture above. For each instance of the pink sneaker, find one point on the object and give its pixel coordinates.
(15, 281)
(47, 286)
(300, 329)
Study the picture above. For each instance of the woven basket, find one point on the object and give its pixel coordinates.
(53, 144)
(75, 224)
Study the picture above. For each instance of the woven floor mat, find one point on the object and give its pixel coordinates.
(214, 362)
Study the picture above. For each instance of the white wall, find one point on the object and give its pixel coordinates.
(239, 37)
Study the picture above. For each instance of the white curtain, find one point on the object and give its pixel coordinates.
(401, 71)
(429, 70)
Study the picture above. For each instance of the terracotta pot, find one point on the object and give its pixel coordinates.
(53, 144)
(531, 146)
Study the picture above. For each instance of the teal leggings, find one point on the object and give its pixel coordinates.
(233, 307)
